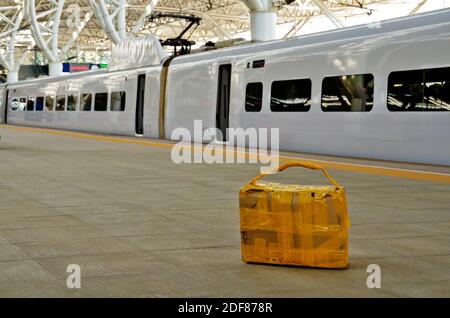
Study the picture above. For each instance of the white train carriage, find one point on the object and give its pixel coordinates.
(337, 92)
(378, 91)
(96, 101)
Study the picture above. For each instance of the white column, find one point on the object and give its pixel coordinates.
(52, 52)
(263, 25)
(55, 69)
(12, 77)
(55, 28)
(263, 19)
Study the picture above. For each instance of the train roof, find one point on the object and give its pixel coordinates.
(48, 79)
(69, 76)
(359, 31)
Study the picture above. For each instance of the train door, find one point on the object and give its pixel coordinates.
(140, 105)
(5, 107)
(223, 100)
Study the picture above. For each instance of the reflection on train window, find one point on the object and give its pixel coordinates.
(291, 96)
(421, 90)
(60, 103)
(118, 101)
(30, 104)
(254, 97)
(22, 104)
(350, 93)
(39, 104)
(49, 103)
(14, 106)
(72, 101)
(86, 102)
(101, 102)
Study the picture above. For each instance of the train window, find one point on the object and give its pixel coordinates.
(419, 90)
(30, 104)
(72, 102)
(14, 106)
(60, 103)
(118, 101)
(350, 93)
(49, 103)
(254, 97)
(39, 104)
(86, 102)
(259, 64)
(291, 96)
(22, 104)
(101, 102)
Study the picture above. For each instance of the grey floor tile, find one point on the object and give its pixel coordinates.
(141, 226)
(54, 249)
(25, 270)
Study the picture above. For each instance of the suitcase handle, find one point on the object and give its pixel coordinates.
(302, 164)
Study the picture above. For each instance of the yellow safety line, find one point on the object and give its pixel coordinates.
(370, 169)
(379, 170)
(89, 136)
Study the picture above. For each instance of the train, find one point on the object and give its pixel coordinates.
(377, 91)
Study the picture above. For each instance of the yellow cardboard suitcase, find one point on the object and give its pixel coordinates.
(293, 224)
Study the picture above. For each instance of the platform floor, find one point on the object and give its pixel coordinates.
(141, 226)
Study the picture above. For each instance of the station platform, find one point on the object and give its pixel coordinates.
(139, 225)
